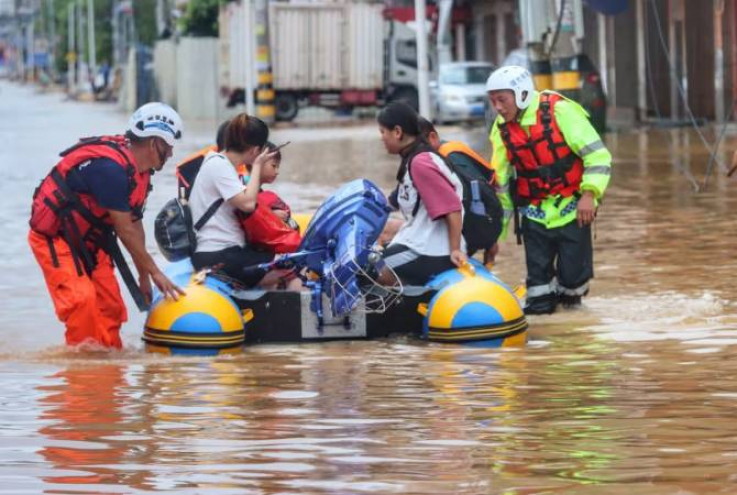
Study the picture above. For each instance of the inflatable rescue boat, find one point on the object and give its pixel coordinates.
(337, 261)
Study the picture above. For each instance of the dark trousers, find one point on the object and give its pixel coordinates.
(413, 268)
(559, 261)
(232, 262)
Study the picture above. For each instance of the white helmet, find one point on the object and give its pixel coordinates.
(515, 78)
(156, 119)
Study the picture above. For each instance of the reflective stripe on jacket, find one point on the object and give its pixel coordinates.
(580, 136)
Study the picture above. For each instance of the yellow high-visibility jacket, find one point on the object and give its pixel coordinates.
(584, 141)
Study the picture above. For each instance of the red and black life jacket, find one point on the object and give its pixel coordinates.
(545, 164)
(58, 210)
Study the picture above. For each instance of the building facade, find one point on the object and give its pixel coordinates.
(658, 58)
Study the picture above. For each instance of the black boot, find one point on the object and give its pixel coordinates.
(570, 302)
(541, 305)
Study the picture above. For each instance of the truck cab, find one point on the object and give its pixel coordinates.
(401, 63)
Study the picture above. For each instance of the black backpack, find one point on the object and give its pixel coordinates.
(187, 173)
(482, 219)
(173, 229)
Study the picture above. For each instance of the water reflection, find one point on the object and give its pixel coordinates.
(635, 393)
(82, 410)
(402, 419)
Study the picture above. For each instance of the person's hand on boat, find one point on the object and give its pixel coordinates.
(586, 209)
(458, 258)
(168, 288)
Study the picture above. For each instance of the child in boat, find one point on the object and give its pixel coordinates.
(275, 232)
(429, 197)
(269, 198)
(270, 227)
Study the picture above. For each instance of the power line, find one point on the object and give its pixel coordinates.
(681, 91)
(651, 86)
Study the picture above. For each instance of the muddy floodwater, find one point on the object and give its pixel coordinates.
(635, 393)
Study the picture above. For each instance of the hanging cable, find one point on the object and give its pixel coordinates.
(710, 166)
(651, 86)
(681, 91)
(558, 25)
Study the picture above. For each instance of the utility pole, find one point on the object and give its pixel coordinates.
(31, 44)
(52, 35)
(248, 23)
(116, 34)
(718, 62)
(444, 40)
(80, 44)
(641, 60)
(564, 52)
(423, 80)
(265, 109)
(71, 49)
(535, 22)
(91, 45)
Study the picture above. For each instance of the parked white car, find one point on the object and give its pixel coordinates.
(459, 94)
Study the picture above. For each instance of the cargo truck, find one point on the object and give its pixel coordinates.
(330, 55)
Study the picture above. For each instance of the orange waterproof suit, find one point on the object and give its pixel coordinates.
(71, 236)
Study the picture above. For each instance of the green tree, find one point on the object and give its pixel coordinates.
(144, 15)
(144, 12)
(201, 18)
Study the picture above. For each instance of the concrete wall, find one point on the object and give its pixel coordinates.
(165, 71)
(127, 97)
(197, 77)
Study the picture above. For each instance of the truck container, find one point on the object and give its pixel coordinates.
(338, 55)
(327, 47)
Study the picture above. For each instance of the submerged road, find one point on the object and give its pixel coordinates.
(634, 393)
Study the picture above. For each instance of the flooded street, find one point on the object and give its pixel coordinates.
(635, 393)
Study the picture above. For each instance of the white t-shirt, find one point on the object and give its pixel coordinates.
(216, 179)
(420, 232)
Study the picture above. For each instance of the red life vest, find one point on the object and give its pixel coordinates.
(267, 231)
(272, 201)
(57, 210)
(545, 164)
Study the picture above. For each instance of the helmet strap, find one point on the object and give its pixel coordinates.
(162, 156)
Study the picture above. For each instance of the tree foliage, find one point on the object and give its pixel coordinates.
(201, 18)
(144, 14)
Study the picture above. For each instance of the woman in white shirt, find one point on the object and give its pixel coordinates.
(221, 240)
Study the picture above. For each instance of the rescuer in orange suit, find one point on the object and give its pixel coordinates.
(92, 197)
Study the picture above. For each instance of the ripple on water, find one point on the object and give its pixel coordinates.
(698, 320)
(294, 394)
(634, 394)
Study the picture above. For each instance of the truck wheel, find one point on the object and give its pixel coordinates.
(286, 107)
(408, 96)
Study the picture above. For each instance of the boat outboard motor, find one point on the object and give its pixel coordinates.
(341, 235)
